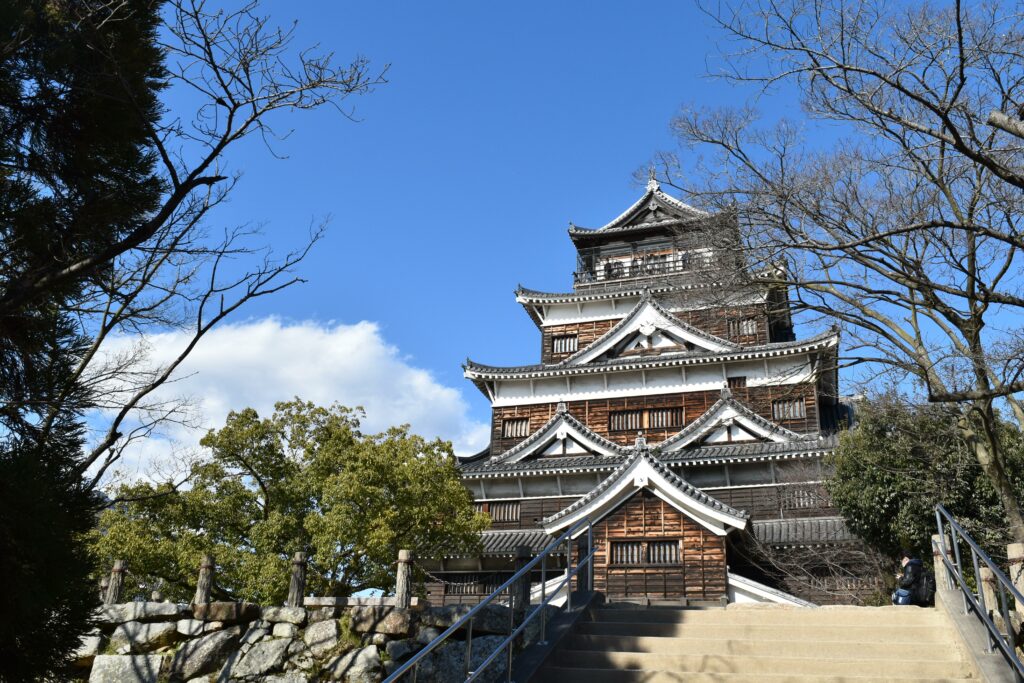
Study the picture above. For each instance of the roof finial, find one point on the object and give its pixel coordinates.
(641, 442)
(726, 392)
(652, 180)
(561, 408)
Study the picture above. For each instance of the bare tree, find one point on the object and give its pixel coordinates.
(907, 230)
(174, 272)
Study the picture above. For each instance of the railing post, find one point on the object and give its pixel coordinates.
(204, 584)
(522, 591)
(116, 583)
(297, 585)
(403, 580)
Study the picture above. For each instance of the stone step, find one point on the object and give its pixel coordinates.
(557, 674)
(866, 616)
(805, 633)
(841, 649)
(819, 665)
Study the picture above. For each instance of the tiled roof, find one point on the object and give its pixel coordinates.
(728, 401)
(506, 542)
(684, 211)
(560, 414)
(647, 300)
(812, 531)
(641, 451)
(479, 370)
(745, 452)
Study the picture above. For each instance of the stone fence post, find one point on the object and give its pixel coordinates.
(297, 585)
(403, 580)
(204, 584)
(942, 577)
(116, 583)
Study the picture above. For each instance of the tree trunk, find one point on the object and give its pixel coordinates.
(992, 465)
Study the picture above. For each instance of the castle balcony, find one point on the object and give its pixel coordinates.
(597, 269)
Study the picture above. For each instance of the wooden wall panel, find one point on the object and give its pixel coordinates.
(701, 568)
(587, 334)
(533, 510)
(595, 413)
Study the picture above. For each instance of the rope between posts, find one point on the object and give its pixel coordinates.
(482, 578)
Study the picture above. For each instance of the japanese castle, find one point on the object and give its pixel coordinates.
(674, 408)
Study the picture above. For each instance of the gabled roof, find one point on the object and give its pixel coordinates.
(742, 452)
(727, 411)
(478, 371)
(560, 427)
(647, 317)
(641, 469)
(630, 220)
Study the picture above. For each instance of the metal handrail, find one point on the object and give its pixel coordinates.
(975, 601)
(521, 574)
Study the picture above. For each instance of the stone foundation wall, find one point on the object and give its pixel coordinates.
(161, 642)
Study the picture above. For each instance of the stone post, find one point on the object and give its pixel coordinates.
(403, 580)
(521, 594)
(297, 585)
(204, 584)
(1015, 560)
(942, 577)
(116, 583)
(987, 579)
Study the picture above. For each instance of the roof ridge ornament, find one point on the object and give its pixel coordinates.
(652, 180)
(561, 408)
(641, 442)
(726, 392)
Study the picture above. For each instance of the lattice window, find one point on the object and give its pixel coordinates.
(626, 420)
(515, 428)
(737, 382)
(662, 418)
(789, 409)
(627, 552)
(745, 327)
(797, 498)
(651, 418)
(505, 511)
(663, 552)
(566, 343)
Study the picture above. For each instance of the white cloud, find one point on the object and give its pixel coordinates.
(257, 363)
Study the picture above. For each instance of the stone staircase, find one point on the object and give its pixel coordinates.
(765, 644)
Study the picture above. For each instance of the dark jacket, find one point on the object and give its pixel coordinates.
(913, 579)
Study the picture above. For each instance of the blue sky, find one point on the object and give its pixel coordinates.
(500, 123)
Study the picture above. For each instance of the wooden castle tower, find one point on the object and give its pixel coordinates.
(673, 406)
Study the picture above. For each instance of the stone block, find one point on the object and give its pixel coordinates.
(262, 658)
(291, 615)
(284, 630)
(212, 626)
(400, 650)
(190, 627)
(144, 637)
(358, 666)
(492, 619)
(322, 637)
(323, 614)
(140, 611)
(390, 620)
(128, 669)
(204, 655)
(228, 612)
(87, 651)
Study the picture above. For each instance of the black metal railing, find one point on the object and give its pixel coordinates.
(641, 265)
(506, 592)
(971, 587)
